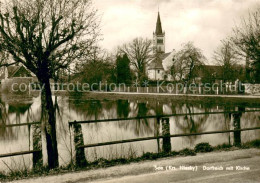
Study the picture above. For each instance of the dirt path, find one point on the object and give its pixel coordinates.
(145, 171)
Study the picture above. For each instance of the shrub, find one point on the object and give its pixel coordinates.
(187, 152)
(223, 146)
(256, 143)
(203, 147)
(149, 155)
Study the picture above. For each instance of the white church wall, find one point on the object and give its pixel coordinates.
(153, 74)
(167, 62)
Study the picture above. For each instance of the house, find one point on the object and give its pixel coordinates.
(208, 73)
(14, 71)
(15, 74)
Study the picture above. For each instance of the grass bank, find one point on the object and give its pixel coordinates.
(103, 163)
(251, 101)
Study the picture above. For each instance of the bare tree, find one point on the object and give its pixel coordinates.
(226, 57)
(185, 61)
(177, 70)
(246, 39)
(46, 36)
(139, 52)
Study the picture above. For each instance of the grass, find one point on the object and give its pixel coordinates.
(103, 163)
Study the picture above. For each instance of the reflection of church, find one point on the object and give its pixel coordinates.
(157, 67)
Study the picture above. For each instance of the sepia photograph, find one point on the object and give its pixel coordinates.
(129, 91)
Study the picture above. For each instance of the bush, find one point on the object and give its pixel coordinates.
(149, 155)
(256, 143)
(187, 152)
(223, 146)
(203, 147)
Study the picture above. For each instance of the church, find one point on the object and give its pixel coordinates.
(158, 66)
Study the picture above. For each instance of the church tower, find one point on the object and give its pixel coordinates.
(158, 37)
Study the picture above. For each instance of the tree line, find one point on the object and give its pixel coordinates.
(237, 57)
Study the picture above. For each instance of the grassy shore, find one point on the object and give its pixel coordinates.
(252, 101)
(103, 163)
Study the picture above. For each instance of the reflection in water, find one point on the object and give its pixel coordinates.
(70, 109)
(123, 108)
(191, 123)
(12, 112)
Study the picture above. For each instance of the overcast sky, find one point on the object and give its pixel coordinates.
(204, 22)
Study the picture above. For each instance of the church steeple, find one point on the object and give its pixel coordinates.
(158, 37)
(158, 29)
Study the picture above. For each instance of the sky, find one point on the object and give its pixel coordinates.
(204, 22)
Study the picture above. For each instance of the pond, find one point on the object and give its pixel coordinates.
(22, 109)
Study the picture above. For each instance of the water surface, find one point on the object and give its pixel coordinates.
(21, 109)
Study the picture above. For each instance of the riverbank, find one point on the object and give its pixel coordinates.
(253, 100)
(158, 170)
(102, 164)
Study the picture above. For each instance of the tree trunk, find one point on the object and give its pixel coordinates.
(50, 127)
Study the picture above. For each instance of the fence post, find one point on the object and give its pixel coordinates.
(237, 126)
(157, 132)
(78, 141)
(37, 145)
(226, 87)
(166, 135)
(185, 90)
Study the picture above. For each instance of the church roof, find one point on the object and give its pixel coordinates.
(156, 63)
(164, 55)
(158, 29)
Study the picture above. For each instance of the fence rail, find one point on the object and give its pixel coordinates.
(157, 116)
(37, 149)
(166, 136)
(21, 124)
(160, 137)
(19, 153)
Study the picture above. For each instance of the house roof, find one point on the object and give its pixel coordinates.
(12, 70)
(202, 70)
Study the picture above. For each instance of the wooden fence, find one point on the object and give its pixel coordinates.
(165, 136)
(162, 120)
(37, 142)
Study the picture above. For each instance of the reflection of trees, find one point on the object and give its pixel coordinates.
(141, 126)
(191, 123)
(93, 110)
(5, 133)
(123, 108)
(89, 109)
(20, 108)
(3, 114)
